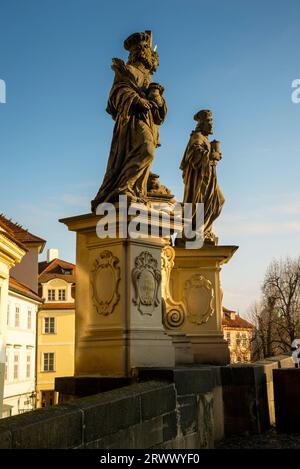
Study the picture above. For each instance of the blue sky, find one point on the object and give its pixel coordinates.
(237, 58)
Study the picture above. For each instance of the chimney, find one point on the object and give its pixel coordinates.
(52, 254)
(232, 315)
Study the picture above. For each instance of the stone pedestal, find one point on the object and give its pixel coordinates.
(118, 325)
(182, 348)
(195, 282)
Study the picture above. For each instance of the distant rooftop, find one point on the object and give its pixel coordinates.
(57, 268)
(20, 234)
(232, 319)
(21, 289)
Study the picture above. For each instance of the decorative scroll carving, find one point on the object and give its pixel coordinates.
(199, 299)
(146, 278)
(173, 311)
(105, 282)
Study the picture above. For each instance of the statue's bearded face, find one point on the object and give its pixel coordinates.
(142, 53)
(206, 125)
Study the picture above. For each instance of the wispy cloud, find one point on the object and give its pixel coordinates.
(280, 216)
(75, 200)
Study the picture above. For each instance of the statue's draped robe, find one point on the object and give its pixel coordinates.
(200, 180)
(135, 136)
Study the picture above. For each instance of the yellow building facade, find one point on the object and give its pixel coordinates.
(56, 326)
(239, 333)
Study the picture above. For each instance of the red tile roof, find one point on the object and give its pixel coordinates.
(23, 290)
(10, 235)
(20, 234)
(238, 322)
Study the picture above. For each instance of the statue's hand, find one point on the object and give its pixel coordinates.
(143, 105)
(157, 100)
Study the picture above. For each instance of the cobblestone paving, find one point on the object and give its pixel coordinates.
(268, 440)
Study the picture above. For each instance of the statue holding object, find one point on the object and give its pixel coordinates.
(199, 173)
(138, 108)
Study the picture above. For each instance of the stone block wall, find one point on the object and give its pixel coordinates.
(189, 407)
(287, 391)
(150, 414)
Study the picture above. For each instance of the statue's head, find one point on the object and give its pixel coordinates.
(140, 50)
(204, 121)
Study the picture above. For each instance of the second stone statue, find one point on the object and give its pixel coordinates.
(199, 173)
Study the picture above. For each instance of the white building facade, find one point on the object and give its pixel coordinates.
(20, 364)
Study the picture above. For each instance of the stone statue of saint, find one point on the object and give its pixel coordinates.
(138, 108)
(199, 173)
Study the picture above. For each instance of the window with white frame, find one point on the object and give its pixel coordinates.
(16, 365)
(29, 319)
(228, 336)
(6, 366)
(17, 316)
(244, 340)
(51, 295)
(62, 294)
(8, 314)
(48, 361)
(237, 339)
(28, 365)
(49, 325)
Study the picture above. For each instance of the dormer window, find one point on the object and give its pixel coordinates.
(66, 271)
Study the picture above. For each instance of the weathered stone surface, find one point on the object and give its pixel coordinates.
(5, 439)
(286, 393)
(181, 413)
(158, 401)
(149, 434)
(169, 426)
(216, 376)
(188, 414)
(87, 386)
(284, 361)
(122, 439)
(53, 427)
(192, 441)
(125, 339)
(187, 380)
(268, 367)
(205, 420)
(193, 381)
(218, 410)
(245, 399)
(242, 374)
(207, 339)
(108, 413)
